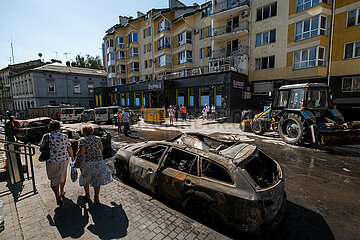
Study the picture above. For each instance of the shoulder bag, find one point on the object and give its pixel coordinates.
(45, 150)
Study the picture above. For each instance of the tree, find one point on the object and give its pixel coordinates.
(89, 62)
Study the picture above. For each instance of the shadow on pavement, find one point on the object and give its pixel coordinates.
(71, 218)
(109, 222)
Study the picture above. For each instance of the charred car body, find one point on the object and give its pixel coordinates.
(213, 179)
(32, 130)
(74, 134)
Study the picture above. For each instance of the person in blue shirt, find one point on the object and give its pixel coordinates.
(126, 121)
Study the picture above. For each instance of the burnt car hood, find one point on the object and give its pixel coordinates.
(239, 152)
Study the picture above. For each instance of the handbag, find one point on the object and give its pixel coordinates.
(79, 161)
(45, 150)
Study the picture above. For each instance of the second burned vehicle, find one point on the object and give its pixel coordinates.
(213, 179)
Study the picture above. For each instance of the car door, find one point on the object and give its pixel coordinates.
(175, 178)
(143, 165)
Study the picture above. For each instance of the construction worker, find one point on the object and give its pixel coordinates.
(119, 120)
(142, 111)
(183, 112)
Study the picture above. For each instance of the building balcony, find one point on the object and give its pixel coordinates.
(223, 32)
(223, 52)
(111, 62)
(111, 75)
(226, 7)
(110, 49)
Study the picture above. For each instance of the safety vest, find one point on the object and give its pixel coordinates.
(183, 109)
(119, 117)
(142, 109)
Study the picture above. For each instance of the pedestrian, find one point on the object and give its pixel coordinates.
(213, 109)
(119, 120)
(56, 166)
(204, 113)
(245, 115)
(142, 111)
(171, 115)
(183, 112)
(93, 170)
(176, 112)
(126, 121)
(207, 111)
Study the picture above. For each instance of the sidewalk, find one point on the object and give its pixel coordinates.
(124, 212)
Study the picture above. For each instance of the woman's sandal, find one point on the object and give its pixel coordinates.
(62, 196)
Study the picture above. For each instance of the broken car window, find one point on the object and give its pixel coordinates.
(215, 171)
(152, 153)
(182, 161)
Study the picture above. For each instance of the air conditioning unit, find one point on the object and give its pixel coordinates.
(196, 31)
(244, 13)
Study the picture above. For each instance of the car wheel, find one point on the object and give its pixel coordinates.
(201, 211)
(121, 172)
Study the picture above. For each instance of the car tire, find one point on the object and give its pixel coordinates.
(201, 212)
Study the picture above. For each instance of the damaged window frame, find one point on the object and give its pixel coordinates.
(137, 154)
(232, 183)
(189, 171)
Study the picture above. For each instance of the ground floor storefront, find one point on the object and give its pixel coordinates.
(229, 92)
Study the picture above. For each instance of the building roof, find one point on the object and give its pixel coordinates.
(61, 68)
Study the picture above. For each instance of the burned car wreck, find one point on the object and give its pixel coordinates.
(211, 178)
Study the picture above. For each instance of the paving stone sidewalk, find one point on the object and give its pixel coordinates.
(124, 212)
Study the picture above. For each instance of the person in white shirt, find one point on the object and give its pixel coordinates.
(213, 109)
(171, 115)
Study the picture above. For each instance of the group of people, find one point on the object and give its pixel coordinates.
(174, 113)
(93, 170)
(123, 120)
(208, 111)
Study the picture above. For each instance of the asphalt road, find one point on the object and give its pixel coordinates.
(322, 186)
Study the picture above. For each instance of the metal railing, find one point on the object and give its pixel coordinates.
(224, 5)
(28, 152)
(241, 26)
(223, 52)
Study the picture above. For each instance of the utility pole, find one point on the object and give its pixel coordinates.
(66, 53)
(12, 51)
(56, 55)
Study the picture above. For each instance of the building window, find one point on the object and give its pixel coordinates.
(219, 96)
(265, 37)
(146, 64)
(208, 54)
(206, 12)
(180, 96)
(204, 96)
(164, 60)
(304, 4)
(202, 33)
(232, 24)
(266, 12)
(353, 18)
(184, 37)
(191, 97)
(133, 52)
(350, 84)
(184, 56)
(352, 50)
(144, 33)
(164, 43)
(120, 55)
(150, 47)
(265, 63)
(110, 43)
(120, 41)
(208, 31)
(51, 87)
(311, 57)
(202, 52)
(77, 87)
(311, 28)
(134, 67)
(133, 80)
(145, 48)
(90, 87)
(150, 31)
(137, 98)
(163, 25)
(121, 69)
(133, 37)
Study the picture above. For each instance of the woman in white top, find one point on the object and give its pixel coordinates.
(171, 115)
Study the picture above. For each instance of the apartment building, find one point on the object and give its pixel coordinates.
(176, 56)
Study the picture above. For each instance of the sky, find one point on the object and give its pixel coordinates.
(55, 27)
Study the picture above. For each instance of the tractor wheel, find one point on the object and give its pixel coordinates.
(257, 127)
(292, 128)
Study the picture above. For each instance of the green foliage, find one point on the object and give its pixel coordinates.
(89, 62)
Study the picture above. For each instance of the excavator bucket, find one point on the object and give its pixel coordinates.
(337, 137)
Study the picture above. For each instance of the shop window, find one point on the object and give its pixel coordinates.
(213, 170)
(180, 97)
(219, 96)
(191, 97)
(137, 98)
(122, 96)
(205, 96)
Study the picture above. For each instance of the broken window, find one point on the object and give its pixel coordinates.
(182, 161)
(152, 153)
(215, 171)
